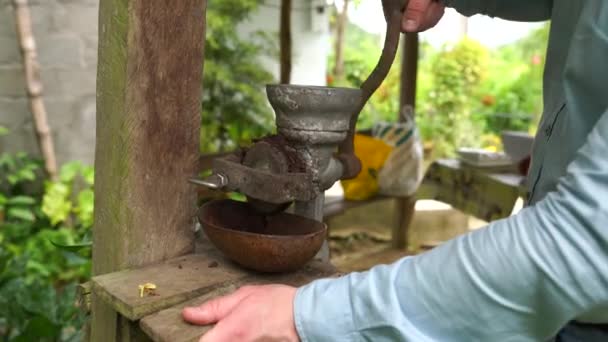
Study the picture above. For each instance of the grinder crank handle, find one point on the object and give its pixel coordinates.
(393, 11)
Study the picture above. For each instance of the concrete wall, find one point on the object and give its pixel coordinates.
(310, 38)
(66, 34)
(66, 37)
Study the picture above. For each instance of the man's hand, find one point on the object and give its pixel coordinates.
(421, 15)
(252, 313)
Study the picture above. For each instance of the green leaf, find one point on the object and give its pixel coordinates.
(88, 173)
(55, 203)
(20, 214)
(27, 174)
(12, 179)
(3, 131)
(73, 247)
(39, 328)
(69, 171)
(74, 260)
(20, 200)
(85, 207)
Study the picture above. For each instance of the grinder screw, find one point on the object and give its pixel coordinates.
(215, 182)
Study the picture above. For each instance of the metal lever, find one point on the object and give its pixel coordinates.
(215, 182)
(393, 11)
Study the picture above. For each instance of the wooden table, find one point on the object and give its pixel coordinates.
(488, 194)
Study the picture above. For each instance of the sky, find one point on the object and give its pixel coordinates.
(491, 32)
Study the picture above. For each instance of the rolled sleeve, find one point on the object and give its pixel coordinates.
(519, 279)
(517, 10)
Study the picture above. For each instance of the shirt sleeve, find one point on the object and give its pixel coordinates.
(518, 279)
(516, 10)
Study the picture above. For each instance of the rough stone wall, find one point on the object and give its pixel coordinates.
(66, 38)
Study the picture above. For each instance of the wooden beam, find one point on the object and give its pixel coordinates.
(406, 206)
(409, 70)
(341, 23)
(148, 121)
(285, 41)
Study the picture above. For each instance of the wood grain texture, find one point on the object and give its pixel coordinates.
(176, 280)
(479, 192)
(168, 325)
(285, 41)
(148, 121)
(409, 70)
(405, 207)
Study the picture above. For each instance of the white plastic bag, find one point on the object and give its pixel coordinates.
(403, 170)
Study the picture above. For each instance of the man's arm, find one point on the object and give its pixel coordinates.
(424, 14)
(519, 279)
(517, 10)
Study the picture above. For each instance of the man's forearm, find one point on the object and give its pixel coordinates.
(517, 10)
(521, 278)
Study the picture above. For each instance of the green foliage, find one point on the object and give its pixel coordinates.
(457, 72)
(37, 312)
(466, 94)
(38, 273)
(512, 94)
(361, 53)
(235, 109)
(59, 201)
(16, 170)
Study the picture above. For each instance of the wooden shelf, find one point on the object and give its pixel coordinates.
(186, 280)
(168, 325)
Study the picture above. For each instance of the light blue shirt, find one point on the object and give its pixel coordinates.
(524, 278)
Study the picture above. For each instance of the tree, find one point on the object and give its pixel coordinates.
(511, 96)
(456, 71)
(234, 109)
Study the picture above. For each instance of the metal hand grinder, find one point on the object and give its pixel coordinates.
(313, 148)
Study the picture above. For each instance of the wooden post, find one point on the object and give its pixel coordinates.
(405, 207)
(409, 70)
(285, 41)
(342, 22)
(149, 85)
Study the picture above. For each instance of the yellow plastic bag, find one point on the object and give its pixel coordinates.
(373, 153)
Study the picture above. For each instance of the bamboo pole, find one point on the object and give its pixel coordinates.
(342, 21)
(34, 88)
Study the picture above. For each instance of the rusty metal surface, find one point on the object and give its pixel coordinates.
(393, 14)
(270, 154)
(274, 243)
(312, 108)
(264, 185)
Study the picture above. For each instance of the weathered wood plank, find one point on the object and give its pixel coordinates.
(176, 280)
(168, 325)
(148, 121)
(488, 195)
